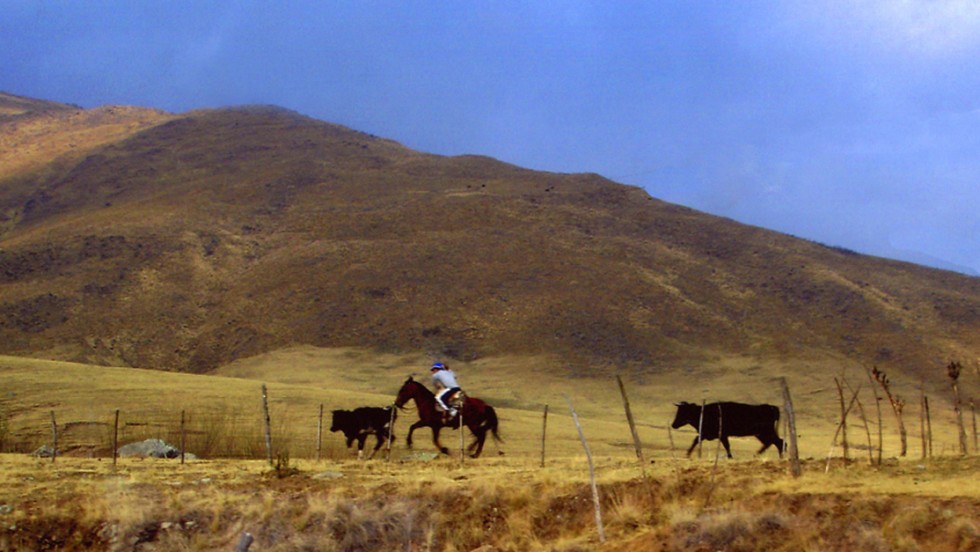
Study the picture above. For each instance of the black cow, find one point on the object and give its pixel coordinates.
(364, 421)
(736, 419)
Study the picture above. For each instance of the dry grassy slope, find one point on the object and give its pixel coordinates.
(193, 240)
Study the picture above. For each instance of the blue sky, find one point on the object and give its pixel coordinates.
(854, 124)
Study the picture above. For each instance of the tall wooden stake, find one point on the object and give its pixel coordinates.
(874, 391)
(700, 427)
(794, 452)
(973, 411)
(840, 426)
(629, 418)
(462, 448)
(54, 438)
(183, 437)
(925, 400)
(268, 424)
(115, 439)
(595, 488)
(922, 421)
(319, 433)
(391, 433)
(953, 370)
(843, 420)
(714, 469)
(544, 432)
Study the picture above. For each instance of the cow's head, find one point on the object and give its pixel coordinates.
(339, 420)
(687, 413)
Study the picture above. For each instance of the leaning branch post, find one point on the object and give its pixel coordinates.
(595, 488)
(629, 418)
(794, 452)
(841, 426)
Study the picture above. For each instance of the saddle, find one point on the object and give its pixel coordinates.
(455, 401)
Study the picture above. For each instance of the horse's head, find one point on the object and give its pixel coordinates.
(406, 393)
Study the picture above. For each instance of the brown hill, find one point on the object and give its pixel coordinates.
(134, 237)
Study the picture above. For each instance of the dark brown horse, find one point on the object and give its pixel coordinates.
(477, 415)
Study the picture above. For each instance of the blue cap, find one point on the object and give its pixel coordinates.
(438, 366)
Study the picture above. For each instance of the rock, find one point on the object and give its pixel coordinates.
(152, 448)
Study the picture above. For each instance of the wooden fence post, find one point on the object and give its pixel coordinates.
(841, 425)
(874, 391)
(544, 432)
(843, 420)
(319, 433)
(54, 438)
(973, 411)
(391, 432)
(794, 452)
(922, 420)
(629, 418)
(700, 427)
(244, 543)
(595, 488)
(925, 401)
(183, 437)
(268, 424)
(714, 469)
(115, 439)
(953, 371)
(462, 447)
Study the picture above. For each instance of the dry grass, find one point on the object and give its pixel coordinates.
(439, 505)
(420, 502)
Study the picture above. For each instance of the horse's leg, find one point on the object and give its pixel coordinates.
(435, 439)
(411, 429)
(481, 437)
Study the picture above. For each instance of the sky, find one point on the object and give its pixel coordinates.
(855, 124)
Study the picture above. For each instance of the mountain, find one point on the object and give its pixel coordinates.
(134, 237)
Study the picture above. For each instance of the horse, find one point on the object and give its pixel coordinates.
(477, 415)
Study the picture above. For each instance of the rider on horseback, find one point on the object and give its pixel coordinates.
(444, 381)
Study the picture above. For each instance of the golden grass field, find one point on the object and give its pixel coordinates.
(504, 500)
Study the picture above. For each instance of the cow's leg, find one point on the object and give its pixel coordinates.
(360, 445)
(694, 444)
(377, 446)
(724, 442)
(771, 440)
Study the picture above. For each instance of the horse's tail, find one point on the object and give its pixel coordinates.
(491, 423)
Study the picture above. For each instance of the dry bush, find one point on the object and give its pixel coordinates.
(734, 531)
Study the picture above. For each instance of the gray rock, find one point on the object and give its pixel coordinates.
(152, 448)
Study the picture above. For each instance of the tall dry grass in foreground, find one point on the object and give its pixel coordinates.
(496, 504)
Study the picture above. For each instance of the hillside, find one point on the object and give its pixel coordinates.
(187, 241)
